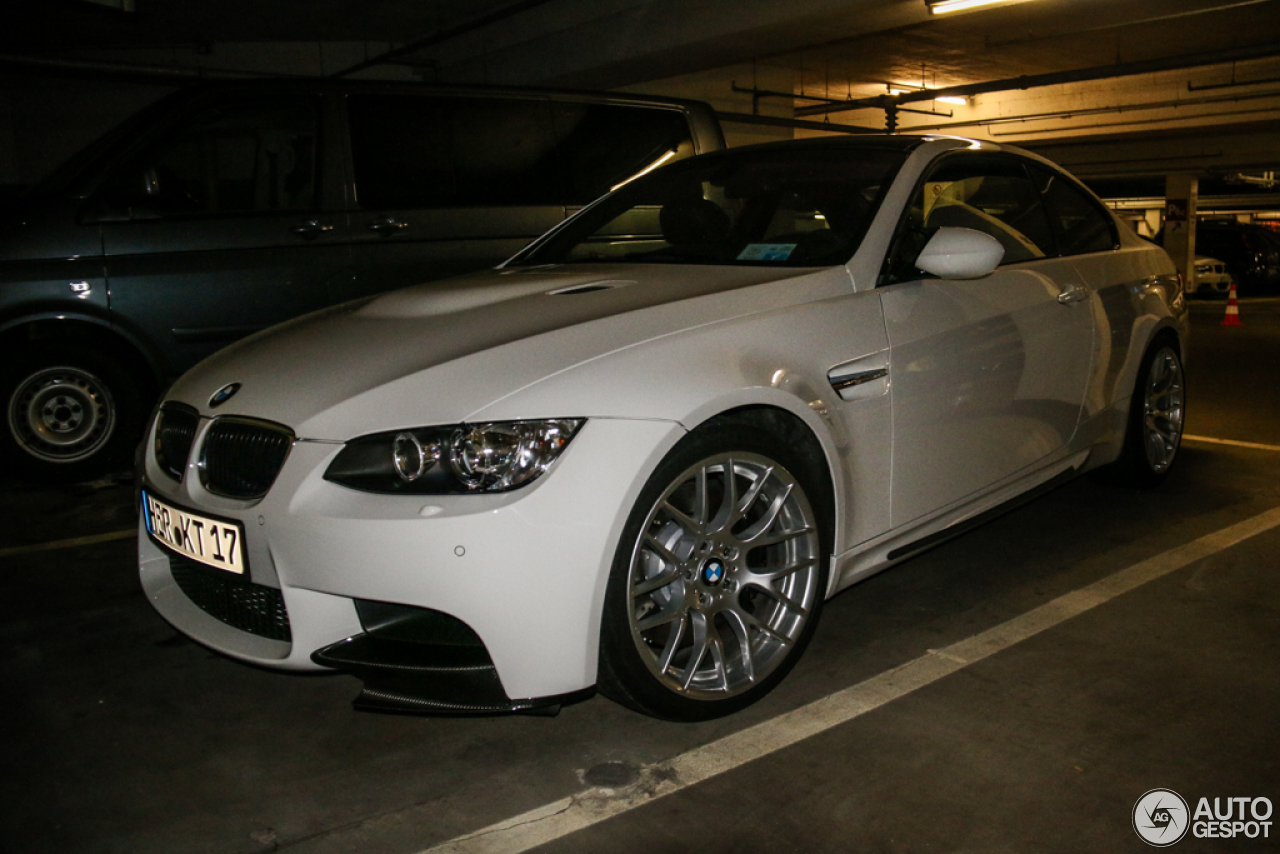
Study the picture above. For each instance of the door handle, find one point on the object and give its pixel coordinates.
(1073, 293)
(310, 229)
(387, 226)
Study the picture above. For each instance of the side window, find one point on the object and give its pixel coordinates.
(994, 195)
(253, 157)
(400, 151)
(504, 152)
(414, 151)
(604, 145)
(1078, 223)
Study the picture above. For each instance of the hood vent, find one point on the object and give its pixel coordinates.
(606, 285)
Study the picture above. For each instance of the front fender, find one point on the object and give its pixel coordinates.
(698, 374)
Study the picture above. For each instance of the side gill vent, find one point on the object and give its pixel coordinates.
(607, 285)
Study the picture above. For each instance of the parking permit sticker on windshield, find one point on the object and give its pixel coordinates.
(767, 252)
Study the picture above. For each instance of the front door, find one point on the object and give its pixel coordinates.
(987, 375)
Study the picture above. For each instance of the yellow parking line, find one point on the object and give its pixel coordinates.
(69, 544)
(1232, 442)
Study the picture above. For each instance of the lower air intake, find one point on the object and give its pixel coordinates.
(235, 601)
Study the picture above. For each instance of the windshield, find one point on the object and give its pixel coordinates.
(802, 207)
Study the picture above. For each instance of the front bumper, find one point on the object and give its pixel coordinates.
(525, 570)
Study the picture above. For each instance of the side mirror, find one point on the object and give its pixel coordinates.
(960, 253)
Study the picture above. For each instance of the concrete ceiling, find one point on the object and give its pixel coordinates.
(63, 24)
(835, 44)
(814, 48)
(1034, 38)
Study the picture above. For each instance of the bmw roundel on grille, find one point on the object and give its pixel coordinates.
(224, 394)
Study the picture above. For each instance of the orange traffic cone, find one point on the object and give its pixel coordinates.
(1233, 309)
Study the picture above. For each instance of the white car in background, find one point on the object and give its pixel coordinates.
(1212, 278)
(639, 455)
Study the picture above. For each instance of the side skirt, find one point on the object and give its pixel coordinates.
(872, 557)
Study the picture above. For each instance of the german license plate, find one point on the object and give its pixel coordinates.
(214, 542)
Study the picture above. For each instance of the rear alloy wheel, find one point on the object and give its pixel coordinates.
(1162, 411)
(1156, 417)
(718, 584)
(68, 415)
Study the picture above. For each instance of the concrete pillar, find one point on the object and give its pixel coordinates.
(1180, 196)
(1152, 217)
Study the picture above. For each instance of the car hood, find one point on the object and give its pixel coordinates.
(438, 352)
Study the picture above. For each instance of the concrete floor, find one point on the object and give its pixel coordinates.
(121, 736)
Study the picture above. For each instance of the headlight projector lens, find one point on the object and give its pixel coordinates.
(410, 458)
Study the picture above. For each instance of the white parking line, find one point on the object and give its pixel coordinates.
(68, 544)
(556, 820)
(1233, 442)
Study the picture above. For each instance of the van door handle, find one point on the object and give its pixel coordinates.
(311, 229)
(1073, 293)
(387, 225)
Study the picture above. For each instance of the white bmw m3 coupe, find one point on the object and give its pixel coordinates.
(639, 455)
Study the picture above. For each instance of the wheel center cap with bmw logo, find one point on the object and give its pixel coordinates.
(223, 394)
(712, 572)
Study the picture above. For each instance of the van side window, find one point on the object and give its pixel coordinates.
(412, 151)
(400, 151)
(993, 195)
(259, 156)
(1080, 225)
(603, 145)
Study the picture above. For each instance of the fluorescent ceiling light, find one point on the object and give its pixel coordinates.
(952, 99)
(940, 7)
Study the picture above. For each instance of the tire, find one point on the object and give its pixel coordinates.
(694, 627)
(1157, 414)
(70, 413)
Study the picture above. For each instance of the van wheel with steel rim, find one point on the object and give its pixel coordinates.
(1157, 413)
(719, 578)
(71, 413)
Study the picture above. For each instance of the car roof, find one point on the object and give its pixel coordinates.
(892, 142)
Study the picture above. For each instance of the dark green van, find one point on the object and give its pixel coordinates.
(227, 208)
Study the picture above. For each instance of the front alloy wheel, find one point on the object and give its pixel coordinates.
(724, 576)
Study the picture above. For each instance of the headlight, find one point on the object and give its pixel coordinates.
(459, 459)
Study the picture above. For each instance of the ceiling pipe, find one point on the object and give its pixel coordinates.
(783, 122)
(444, 35)
(1207, 10)
(1062, 115)
(1031, 81)
(148, 73)
(1191, 87)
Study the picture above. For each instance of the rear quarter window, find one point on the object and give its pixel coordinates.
(1079, 224)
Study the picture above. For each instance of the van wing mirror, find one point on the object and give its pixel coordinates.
(960, 253)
